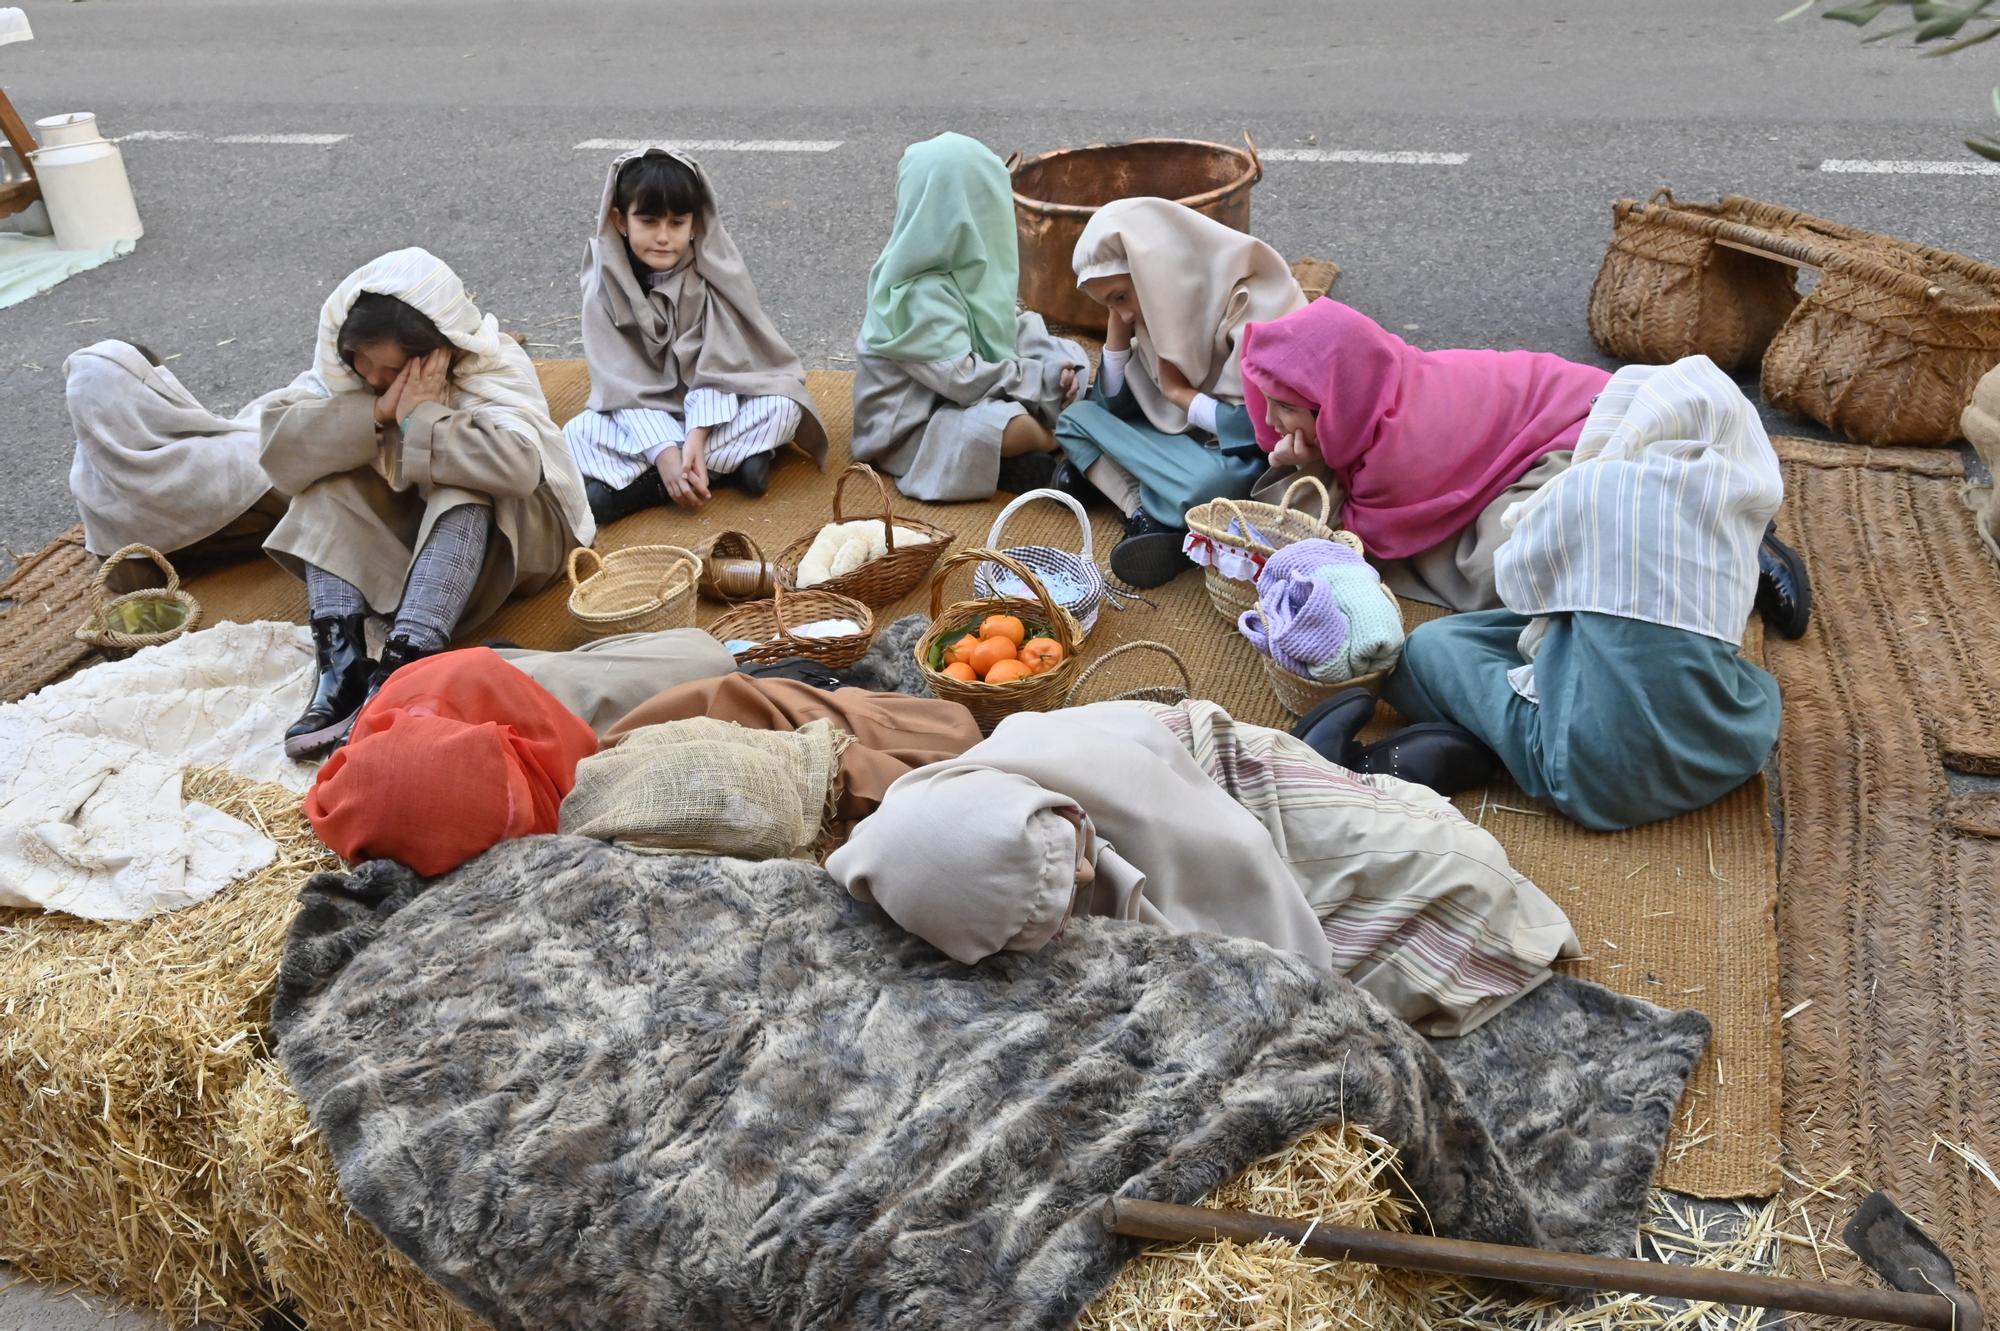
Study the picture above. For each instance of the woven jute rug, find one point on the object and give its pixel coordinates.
(41, 603)
(1679, 913)
(1889, 902)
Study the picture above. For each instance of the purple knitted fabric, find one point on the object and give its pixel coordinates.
(1306, 629)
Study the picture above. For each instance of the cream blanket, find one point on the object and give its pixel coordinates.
(93, 820)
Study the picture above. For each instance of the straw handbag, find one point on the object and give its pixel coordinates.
(1074, 580)
(1261, 531)
(121, 625)
(991, 703)
(1160, 693)
(769, 624)
(734, 569)
(880, 582)
(640, 589)
(1299, 694)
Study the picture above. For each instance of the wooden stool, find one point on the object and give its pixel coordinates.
(22, 193)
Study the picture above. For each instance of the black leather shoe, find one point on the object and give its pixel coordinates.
(1150, 555)
(1069, 479)
(1331, 729)
(340, 653)
(1444, 757)
(608, 505)
(753, 477)
(1784, 592)
(396, 653)
(1030, 471)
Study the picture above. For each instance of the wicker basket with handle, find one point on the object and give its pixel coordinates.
(121, 625)
(991, 703)
(880, 582)
(1279, 525)
(770, 624)
(1076, 572)
(1161, 693)
(640, 589)
(733, 569)
(1300, 694)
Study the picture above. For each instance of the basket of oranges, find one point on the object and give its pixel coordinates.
(998, 655)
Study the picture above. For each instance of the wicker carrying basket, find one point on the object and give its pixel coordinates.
(121, 625)
(1162, 693)
(728, 561)
(640, 589)
(1280, 524)
(1053, 565)
(879, 582)
(1299, 694)
(992, 703)
(769, 624)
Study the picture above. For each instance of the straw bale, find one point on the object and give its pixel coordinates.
(120, 1045)
(336, 1270)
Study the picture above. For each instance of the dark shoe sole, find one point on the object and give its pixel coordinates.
(1152, 560)
(324, 740)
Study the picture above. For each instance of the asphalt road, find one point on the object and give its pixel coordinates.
(461, 118)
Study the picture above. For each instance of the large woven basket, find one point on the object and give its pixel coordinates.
(879, 582)
(1668, 288)
(1161, 693)
(1300, 695)
(1056, 567)
(640, 589)
(1280, 524)
(991, 703)
(769, 624)
(1056, 194)
(121, 625)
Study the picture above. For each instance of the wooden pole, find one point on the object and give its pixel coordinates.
(1539, 1266)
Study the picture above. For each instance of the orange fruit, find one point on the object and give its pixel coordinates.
(961, 651)
(989, 652)
(1007, 671)
(1041, 654)
(1003, 626)
(960, 670)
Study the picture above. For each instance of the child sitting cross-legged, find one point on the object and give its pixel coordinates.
(690, 383)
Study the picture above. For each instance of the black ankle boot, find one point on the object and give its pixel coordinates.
(1784, 592)
(753, 477)
(1150, 554)
(1332, 728)
(396, 653)
(1445, 757)
(340, 651)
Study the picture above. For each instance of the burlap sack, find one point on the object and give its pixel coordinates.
(710, 787)
(1981, 424)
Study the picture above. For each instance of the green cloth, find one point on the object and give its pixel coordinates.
(30, 265)
(946, 282)
(1175, 471)
(1636, 722)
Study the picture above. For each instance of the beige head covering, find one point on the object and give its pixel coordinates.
(491, 374)
(972, 856)
(1198, 283)
(700, 326)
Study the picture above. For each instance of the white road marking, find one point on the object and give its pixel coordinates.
(1365, 158)
(304, 140)
(712, 145)
(1859, 167)
(156, 136)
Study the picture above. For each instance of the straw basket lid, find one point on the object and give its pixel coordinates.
(989, 703)
(120, 625)
(1085, 591)
(640, 589)
(881, 581)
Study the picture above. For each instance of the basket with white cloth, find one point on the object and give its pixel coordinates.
(1072, 578)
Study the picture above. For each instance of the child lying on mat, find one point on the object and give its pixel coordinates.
(689, 380)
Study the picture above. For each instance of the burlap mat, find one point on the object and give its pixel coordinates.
(1679, 913)
(41, 603)
(1889, 902)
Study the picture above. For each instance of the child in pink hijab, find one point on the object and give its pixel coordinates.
(1430, 447)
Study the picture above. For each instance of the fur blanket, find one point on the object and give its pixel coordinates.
(583, 1087)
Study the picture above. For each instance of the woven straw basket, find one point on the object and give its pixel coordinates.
(733, 569)
(769, 624)
(879, 582)
(1281, 524)
(1299, 694)
(640, 589)
(121, 625)
(992, 703)
(1079, 570)
(1161, 693)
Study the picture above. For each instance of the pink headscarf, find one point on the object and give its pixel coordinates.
(1422, 440)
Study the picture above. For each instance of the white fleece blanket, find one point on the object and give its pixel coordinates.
(93, 820)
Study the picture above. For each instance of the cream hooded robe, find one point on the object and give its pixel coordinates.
(364, 497)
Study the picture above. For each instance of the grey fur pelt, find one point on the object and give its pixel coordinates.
(890, 665)
(586, 1088)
